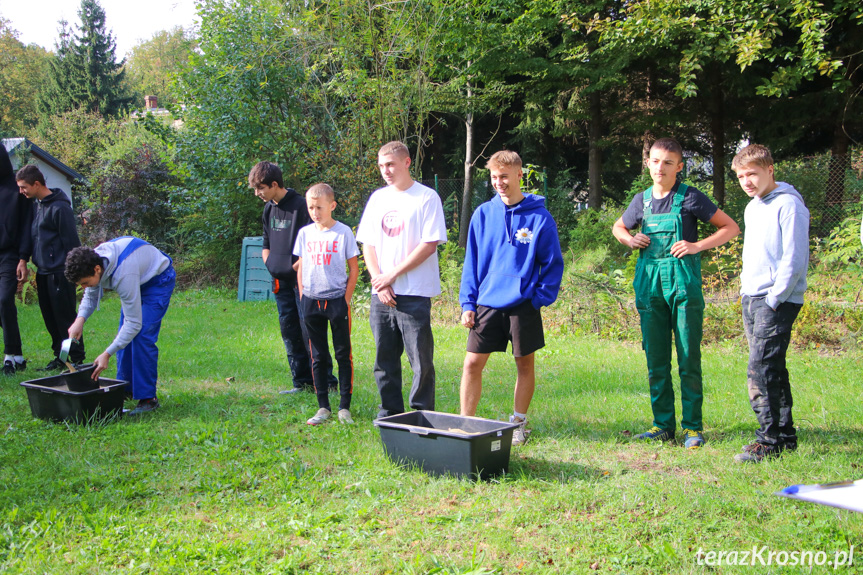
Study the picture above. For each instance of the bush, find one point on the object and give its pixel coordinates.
(131, 196)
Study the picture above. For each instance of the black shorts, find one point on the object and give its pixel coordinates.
(493, 328)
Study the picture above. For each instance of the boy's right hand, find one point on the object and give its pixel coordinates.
(76, 330)
(639, 241)
(467, 319)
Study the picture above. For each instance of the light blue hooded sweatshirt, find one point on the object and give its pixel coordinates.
(776, 247)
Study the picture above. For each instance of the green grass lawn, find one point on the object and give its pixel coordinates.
(227, 478)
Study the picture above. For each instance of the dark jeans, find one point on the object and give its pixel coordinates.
(57, 303)
(769, 333)
(8, 311)
(318, 314)
(294, 335)
(406, 327)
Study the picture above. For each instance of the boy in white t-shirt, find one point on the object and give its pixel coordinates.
(324, 247)
(401, 227)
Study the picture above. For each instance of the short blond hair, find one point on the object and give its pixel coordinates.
(396, 148)
(504, 158)
(321, 191)
(752, 154)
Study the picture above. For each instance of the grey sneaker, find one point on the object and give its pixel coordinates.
(321, 416)
(520, 434)
(345, 416)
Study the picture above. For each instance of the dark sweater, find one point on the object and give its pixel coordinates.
(282, 223)
(54, 232)
(16, 215)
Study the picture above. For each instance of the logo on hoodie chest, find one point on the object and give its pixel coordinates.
(279, 225)
(524, 236)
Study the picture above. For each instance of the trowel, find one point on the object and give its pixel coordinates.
(64, 353)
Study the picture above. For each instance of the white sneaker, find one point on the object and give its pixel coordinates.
(345, 416)
(520, 433)
(321, 416)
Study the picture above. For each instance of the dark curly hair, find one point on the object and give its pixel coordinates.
(81, 263)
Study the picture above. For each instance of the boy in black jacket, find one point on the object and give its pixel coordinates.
(285, 212)
(16, 216)
(54, 235)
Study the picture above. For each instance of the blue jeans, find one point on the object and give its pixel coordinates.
(769, 333)
(406, 327)
(138, 362)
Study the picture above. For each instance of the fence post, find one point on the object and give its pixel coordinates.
(544, 183)
(435, 185)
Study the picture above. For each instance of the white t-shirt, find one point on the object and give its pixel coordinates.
(325, 254)
(395, 223)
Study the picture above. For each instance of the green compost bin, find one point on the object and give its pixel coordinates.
(256, 283)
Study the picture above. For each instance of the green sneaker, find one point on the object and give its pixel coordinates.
(656, 434)
(692, 439)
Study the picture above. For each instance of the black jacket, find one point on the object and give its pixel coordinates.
(16, 215)
(54, 232)
(282, 223)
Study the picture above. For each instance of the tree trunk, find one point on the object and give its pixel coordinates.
(716, 110)
(594, 155)
(467, 192)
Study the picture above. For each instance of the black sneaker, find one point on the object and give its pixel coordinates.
(145, 406)
(11, 366)
(53, 365)
(756, 453)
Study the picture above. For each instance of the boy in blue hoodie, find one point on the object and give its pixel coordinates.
(513, 266)
(772, 282)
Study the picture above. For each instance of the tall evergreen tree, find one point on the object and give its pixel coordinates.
(84, 72)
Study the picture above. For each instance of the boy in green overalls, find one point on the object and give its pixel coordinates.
(668, 286)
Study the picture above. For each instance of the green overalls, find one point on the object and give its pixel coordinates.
(668, 297)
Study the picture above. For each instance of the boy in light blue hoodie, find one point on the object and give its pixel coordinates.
(775, 260)
(513, 266)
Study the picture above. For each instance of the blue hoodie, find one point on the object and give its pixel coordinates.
(776, 247)
(513, 255)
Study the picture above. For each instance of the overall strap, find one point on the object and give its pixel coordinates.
(647, 198)
(677, 201)
(127, 251)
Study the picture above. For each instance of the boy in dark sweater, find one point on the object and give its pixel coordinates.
(285, 212)
(54, 234)
(15, 249)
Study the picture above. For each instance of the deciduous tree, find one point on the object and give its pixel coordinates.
(22, 69)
